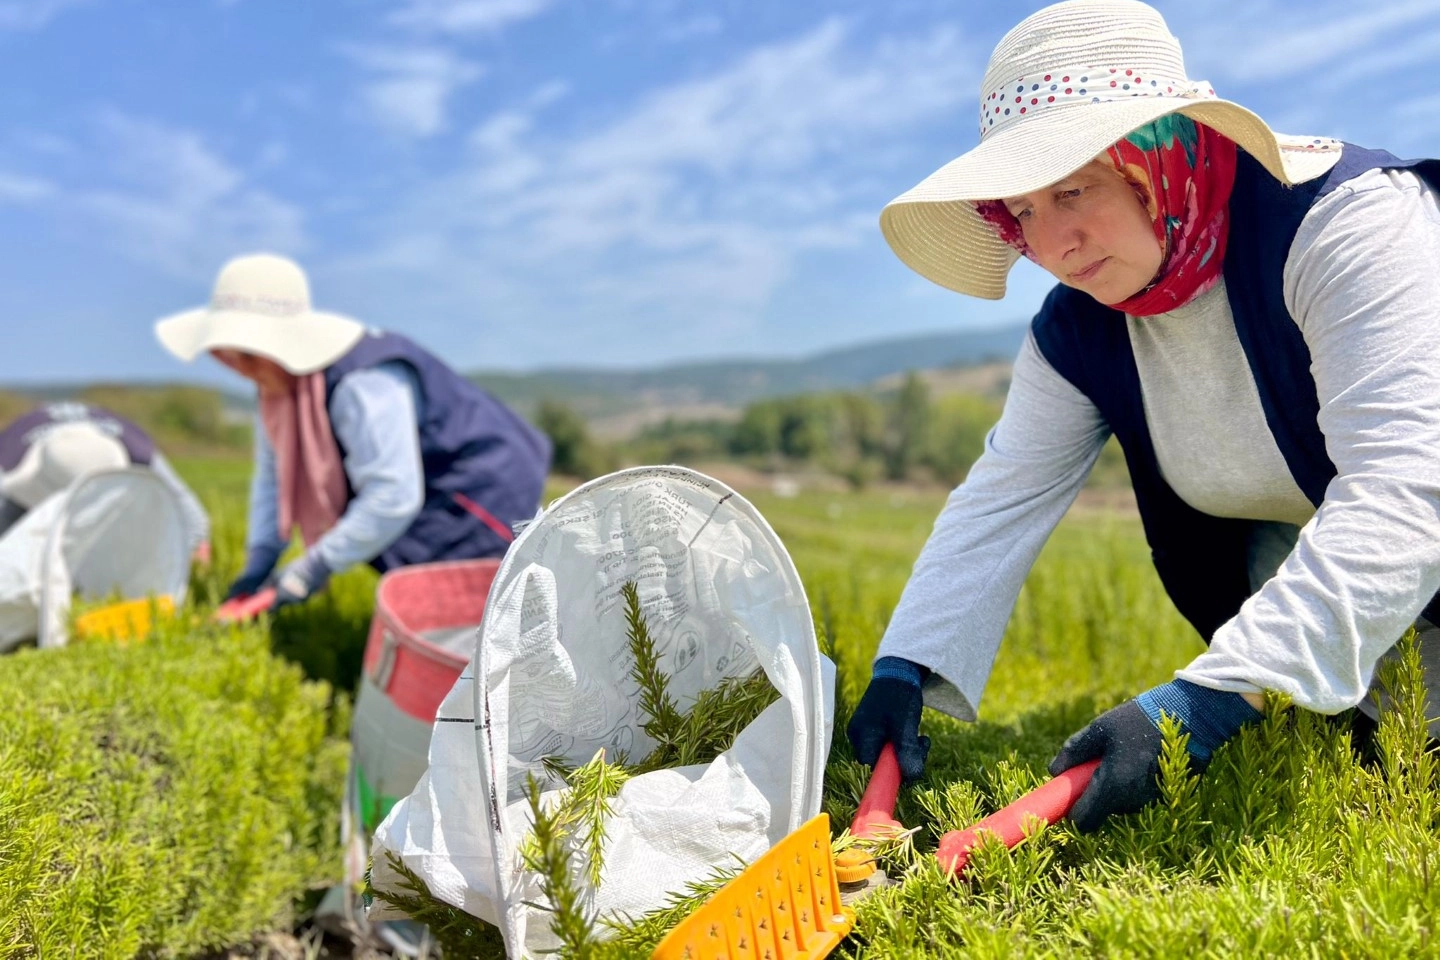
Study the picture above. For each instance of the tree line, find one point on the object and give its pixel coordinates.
(864, 437)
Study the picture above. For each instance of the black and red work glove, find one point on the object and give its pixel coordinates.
(889, 712)
(1127, 741)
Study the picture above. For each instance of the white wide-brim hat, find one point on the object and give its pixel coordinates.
(57, 458)
(1064, 85)
(261, 305)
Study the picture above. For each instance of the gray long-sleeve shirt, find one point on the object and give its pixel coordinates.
(1363, 283)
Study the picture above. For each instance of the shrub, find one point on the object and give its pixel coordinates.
(164, 798)
(573, 452)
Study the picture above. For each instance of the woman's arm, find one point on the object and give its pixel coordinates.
(374, 415)
(263, 543)
(953, 611)
(1363, 282)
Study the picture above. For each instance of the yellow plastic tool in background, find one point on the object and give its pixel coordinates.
(123, 622)
(784, 906)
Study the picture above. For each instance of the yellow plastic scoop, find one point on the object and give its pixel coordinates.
(784, 906)
(122, 622)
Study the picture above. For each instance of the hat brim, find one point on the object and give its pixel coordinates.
(936, 231)
(301, 344)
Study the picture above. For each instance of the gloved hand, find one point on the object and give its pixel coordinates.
(1127, 740)
(889, 712)
(250, 582)
(300, 580)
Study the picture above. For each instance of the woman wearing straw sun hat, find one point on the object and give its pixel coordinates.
(1253, 317)
(367, 443)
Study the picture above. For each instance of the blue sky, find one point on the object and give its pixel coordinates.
(524, 183)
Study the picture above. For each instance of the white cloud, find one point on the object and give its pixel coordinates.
(701, 25)
(21, 189)
(177, 205)
(1340, 70)
(466, 16)
(43, 144)
(547, 94)
(1251, 41)
(34, 14)
(272, 155)
(1330, 40)
(782, 106)
(697, 203)
(1417, 49)
(412, 86)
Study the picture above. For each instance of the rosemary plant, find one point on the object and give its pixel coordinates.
(713, 721)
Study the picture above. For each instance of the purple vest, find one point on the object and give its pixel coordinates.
(484, 466)
(22, 432)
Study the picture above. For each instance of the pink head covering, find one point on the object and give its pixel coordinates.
(309, 475)
(1183, 172)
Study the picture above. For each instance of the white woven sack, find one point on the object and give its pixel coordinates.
(113, 532)
(722, 597)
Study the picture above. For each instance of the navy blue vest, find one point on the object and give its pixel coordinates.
(484, 466)
(1202, 559)
(24, 430)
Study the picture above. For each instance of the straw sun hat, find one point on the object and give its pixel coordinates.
(1065, 84)
(261, 305)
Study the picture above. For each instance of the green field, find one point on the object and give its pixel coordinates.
(179, 796)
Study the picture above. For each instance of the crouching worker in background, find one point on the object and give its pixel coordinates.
(49, 448)
(1253, 317)
(370, 445)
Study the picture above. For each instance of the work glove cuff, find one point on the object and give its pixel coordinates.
(1210, 717)
(259, 565)
(302, 578)
(898, 668)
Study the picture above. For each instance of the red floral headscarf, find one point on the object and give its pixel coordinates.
(1190, 211)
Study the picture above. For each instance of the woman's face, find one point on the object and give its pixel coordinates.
(266, 374)
(1092, 231)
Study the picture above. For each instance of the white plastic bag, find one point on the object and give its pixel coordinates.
(721, 597)
(117, 532)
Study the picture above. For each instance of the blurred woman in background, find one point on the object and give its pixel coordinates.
(44, 451)
(369, 445)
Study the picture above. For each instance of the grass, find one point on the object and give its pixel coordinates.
(150, 802)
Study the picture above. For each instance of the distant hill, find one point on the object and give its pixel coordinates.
(237, 401)
(183, 419)
(597, 394)
(616, 402)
